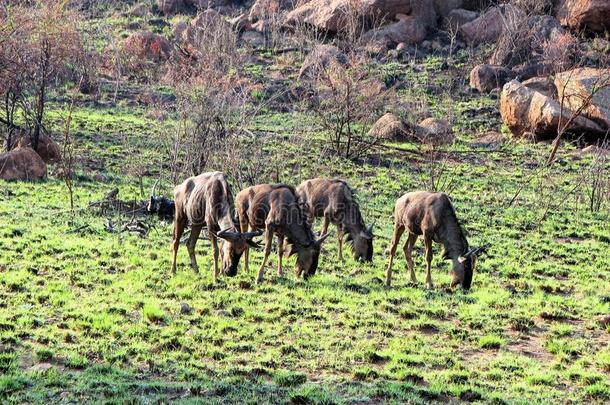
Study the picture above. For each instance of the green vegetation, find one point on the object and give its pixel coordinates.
(105, 312)
(88, 315)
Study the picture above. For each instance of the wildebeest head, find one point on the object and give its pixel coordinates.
(307, 257)
(464, 268)
(233, 246)
(362, 245)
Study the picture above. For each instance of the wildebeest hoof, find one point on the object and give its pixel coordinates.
(259, 281)
(429, 286)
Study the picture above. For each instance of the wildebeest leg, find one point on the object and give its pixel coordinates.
(340, 241)
(325, 224)
(243, 224)
(214, 241)
(179, 226)
(428, 243)
(268, 242)
(408, 249)
(398, 231)
(280, 254)
(190, 246)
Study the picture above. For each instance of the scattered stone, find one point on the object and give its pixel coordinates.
(333, 15)
(434, 131)
(526, 37)
(595, 151)
(100, 177)
(139, 10)
(266, 9)
(389, 127)
(321, 56)
(41, 368)
(590, 15)
(489, 26)
(47, 147)
(523, 109)
(147, 45)
(489, 140)
(444, 7)
(576, 88)
(408, 29)
(240, 23)
(604, 320)
(185, 309)
(254, 38)
(22, 164)
(485, 78)
(542, 85)
(459, 17)
(171, 6)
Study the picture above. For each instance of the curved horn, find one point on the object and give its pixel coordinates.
(322, 238)
(370, 228)
(250, 235)
(228, 235)
(154, 187)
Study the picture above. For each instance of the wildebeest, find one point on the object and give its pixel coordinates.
(334, 201)
(160, 205)
(206, 201)
(275, 208)
(433, 216)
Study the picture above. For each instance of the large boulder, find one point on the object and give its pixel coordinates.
(333, 15)
(22, 164)
(408, 30)
(434, 131)
(458, 17)
(265, 9)
(485, 78)
(207, 27)
(389, 127)
(542, 85)
(489, 140)
(589, 89)
(525, 110)
(444, 7)
(147, 45)
(524, 39)
(319, 57)
(490, 25)
(591, 15)
(171, 6)
(47, 148)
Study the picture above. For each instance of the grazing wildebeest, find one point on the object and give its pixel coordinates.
(206, 201)
(433, 216)
(276, 209)
(334, 201)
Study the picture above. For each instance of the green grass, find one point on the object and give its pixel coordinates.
(105, 311)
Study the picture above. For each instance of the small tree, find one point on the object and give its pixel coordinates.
(347, 99)
(41, 51)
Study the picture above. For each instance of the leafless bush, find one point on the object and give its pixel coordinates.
(535, 6)
(347, 99)
(596, 179)
(40, 52)
(439, 174)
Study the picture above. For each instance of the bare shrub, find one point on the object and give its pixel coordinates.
(40, 53)
(347, 100)
(535, 6)
(597, 180)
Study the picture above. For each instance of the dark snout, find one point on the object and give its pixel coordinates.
(364, 258)
(467, 280)
(230, 271)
